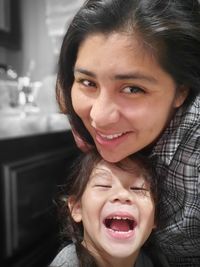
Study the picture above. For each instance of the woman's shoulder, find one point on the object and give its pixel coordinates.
(151, 256)
(143, 260)
(66, 257)
(182, 135)
(190, 114)
(188, 131)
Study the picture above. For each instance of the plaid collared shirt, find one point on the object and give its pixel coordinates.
(178, 165)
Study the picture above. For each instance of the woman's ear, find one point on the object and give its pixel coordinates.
(181, 95)
(75, 209)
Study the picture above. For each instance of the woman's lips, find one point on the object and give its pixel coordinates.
(111, 139)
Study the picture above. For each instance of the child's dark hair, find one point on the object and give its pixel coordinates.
(76, 184)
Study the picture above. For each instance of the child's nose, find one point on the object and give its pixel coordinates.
(123, 196)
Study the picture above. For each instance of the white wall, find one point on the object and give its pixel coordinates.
(37, 45)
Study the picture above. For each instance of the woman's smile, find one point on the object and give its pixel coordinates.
(110, 140)
(110, 136)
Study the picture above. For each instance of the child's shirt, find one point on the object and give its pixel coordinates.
(67, 257)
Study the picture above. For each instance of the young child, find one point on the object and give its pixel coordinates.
(109, 212)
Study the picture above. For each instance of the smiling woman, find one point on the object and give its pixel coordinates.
(130, 90)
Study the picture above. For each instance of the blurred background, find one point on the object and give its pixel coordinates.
(36, 144)
(31, 33)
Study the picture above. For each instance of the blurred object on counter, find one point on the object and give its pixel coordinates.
(7, 72)
(8, 87)
(46, 97)
(27, 94)
(8, 94)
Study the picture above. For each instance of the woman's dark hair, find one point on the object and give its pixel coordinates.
(76, 184)
(170, 29)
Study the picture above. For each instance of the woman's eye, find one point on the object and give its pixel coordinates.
(87, 83)
(133, 90)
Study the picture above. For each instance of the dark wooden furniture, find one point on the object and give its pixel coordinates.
(31, 170)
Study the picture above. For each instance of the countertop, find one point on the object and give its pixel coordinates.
(14, 123)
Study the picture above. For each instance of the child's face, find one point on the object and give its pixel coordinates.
(117, 211)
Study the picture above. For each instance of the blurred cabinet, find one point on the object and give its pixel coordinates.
(32, 168)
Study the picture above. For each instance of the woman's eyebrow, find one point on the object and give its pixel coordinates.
(135, 75)
(125, 76)
(86, 72)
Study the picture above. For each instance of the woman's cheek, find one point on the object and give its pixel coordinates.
(80, 102)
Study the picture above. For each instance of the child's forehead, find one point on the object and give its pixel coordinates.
(128, 168)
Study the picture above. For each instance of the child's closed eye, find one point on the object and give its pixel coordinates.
(139, 190)
(102, 186)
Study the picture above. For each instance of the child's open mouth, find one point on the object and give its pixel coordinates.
(120, 227)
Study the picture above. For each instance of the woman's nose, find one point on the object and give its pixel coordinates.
(104, 112)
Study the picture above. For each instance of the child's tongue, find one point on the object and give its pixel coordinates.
(120, 225)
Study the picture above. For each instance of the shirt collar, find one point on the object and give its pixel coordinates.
(185, 118)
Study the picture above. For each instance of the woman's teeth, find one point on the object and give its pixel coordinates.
(111, 136)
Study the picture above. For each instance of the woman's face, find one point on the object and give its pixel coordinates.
(122, 95)
(117, 211)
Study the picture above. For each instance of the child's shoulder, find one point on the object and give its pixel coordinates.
(66, 257)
